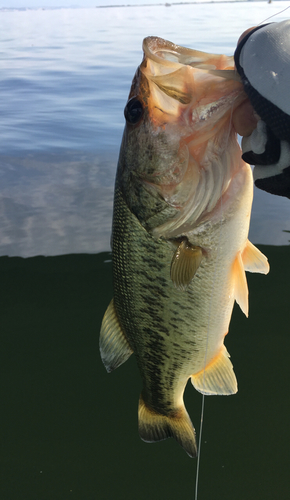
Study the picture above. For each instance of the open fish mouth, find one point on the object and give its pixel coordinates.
(157, 49)
(188, 97)
(186, 84)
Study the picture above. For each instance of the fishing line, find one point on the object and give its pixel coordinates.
(204, 366)
(205, 359)
(277, 14)
(210, 306)
(208, 327)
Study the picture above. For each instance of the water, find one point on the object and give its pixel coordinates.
(66, 75)
(67, 428)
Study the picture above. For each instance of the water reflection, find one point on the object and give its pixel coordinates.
(53, 204)
(66, 77)
(270, 219)
(69, 429)
(60, 203)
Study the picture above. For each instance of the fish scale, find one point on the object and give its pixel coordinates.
(153, 293)
(147, 302)
(178, 267)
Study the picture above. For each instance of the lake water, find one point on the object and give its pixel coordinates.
(68, 430)
(65, 77)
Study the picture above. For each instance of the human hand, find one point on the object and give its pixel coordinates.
(262, 60)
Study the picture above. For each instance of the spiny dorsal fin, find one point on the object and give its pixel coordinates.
(254, 260)
(241, 291)
(185, 263)
(114, 346)
(218, 378)
(155, 427)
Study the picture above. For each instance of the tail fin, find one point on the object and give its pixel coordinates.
(155, 427)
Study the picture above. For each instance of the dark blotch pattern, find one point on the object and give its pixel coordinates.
(154, 315)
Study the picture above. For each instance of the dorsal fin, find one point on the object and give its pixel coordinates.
(185, 263)
(114, 346)
(254, 260)
(218, 377)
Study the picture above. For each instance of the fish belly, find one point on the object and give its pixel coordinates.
(173, 333)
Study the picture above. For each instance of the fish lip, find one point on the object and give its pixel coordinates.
(151, 44)
(186, 57)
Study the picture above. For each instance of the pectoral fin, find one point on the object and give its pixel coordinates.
(114, 346)
(185, 263)
(253, 260)
(218, 378)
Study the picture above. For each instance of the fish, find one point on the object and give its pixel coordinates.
(180, 247)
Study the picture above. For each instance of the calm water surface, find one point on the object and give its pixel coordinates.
(66, 75)
(68, 430)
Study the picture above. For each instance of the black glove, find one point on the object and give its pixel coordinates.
(262, 59)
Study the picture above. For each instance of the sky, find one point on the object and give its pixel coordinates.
(72, 3)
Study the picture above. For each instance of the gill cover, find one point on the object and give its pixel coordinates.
(179, 105)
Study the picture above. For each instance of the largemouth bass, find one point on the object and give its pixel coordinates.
(182, 210)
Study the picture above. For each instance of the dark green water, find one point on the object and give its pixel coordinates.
(68, 430)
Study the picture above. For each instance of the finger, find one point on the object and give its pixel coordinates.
(245, 119)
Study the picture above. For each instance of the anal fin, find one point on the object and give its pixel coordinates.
(155, 427)
(185, 263)
(218, 377)
(114, 347)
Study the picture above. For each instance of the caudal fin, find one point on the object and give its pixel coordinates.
(155, 427)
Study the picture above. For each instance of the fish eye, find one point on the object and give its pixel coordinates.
(133, 111)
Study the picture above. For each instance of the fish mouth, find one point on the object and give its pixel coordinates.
(191, 96)
(183, 138)
(181, 81)
(170, 55)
